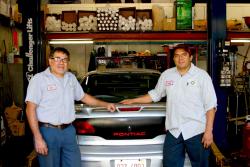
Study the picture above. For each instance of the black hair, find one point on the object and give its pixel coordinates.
(184, 47)
(59, 49)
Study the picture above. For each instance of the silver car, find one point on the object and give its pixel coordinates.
(133, 135)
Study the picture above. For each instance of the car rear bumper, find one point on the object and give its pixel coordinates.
(111, 163)
(105, 156)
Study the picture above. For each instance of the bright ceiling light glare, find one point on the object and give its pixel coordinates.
(71, 41)
(240, 40)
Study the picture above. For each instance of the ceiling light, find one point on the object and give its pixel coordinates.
(71, 41)
(240, 40)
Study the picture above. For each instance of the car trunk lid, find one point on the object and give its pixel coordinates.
(143, 121)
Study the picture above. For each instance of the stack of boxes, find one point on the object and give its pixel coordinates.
(69, 21)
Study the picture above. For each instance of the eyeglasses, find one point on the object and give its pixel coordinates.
(185, 54)
(59, 59)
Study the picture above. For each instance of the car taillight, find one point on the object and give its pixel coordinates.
(84, 127)
(129, 109)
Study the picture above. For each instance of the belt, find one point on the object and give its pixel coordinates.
(48, 125)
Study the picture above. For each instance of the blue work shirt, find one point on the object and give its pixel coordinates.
(54, 97)
(189, 97)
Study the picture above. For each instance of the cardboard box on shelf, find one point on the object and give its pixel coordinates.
(126, 12)
(69, 16)
(82, 13)
(200, 25)
(169, 24)
(144, 13)
(69, 20)
(158, 16)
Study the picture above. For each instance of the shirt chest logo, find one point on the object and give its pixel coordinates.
(191, 83)
(51, 87)
(169, 82)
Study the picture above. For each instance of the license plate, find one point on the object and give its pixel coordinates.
(130, 163)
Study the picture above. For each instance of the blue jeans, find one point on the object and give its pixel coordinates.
(174, 151)
(62, 146)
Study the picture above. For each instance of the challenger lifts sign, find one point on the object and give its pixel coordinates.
(29, 53)
(31, 35)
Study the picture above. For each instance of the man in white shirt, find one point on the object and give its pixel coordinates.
(191, 106)
(50, 112)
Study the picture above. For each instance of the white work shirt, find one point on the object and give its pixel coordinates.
(54, 97)
(189, 97)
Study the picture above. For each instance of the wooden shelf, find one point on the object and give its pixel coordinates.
(161, 35)
(243, 34)
(140, 36)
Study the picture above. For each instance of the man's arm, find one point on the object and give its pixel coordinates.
(40, 145)
(90, 100)
(207, 139)
(142, 99)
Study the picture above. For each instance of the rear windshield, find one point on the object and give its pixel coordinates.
(116, 87)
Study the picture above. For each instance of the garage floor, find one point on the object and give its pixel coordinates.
(15, 151)
(234, 155)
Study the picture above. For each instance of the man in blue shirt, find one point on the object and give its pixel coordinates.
(191, 106)
(50, 112)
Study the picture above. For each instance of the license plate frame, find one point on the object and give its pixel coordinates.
(131, 163)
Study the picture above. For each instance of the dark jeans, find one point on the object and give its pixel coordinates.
(174, 151)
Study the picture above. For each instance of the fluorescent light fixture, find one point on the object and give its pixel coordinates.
(71, 41)
(240, 40)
